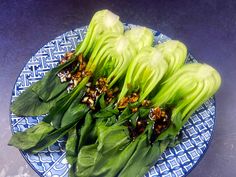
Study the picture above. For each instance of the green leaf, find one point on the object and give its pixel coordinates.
(56, 114)
(101, 102)
(76, 139)
(51, 138)
(149, 130)
(71, 146)
(99, 159)
(29, 104)
(72, 171)
(50, 86)
(134, 105)
(107, 112)
(112, 137)
(86, 160)
(85, 131)
(110, 164)
(75, 110)
(144, 112)
(175, 141)
(133, 118)
(39, 98)
(125, 114)
(111, 121)
(137, 158)
(143, 157)
(30, 137)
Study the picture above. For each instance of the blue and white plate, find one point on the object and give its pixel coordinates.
(51, 162)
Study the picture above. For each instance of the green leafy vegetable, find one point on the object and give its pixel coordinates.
(43, 134)
(111, 57)
(63, 112)
(144, 72)
(50, 86)
(29, 138)
(102, 21)
(143, 157)
(85, 131)
(175, 53)
(93, 160)
(29, 104)
(134, 158)
(71, 145)
(187, 89)
(42, 95)
(140, 37)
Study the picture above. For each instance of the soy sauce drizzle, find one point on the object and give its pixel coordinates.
(161, 118)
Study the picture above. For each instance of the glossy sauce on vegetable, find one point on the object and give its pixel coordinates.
(94, 91)
(75, 72)
(161, 120)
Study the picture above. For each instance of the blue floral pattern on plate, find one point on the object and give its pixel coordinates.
(51, 162)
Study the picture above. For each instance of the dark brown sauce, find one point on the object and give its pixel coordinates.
(124, 102)
(75, 72)
(161, 118)
(161, 124)
(94, 91)
(135, 131)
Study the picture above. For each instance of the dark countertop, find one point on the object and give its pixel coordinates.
(207, 27)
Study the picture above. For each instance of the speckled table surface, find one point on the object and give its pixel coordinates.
(207, 27)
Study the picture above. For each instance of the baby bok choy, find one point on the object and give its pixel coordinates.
(146, 69)
(102, 21)
(144, 77)
(42, 95)
(112, 60)
(143, 74)
(175, 53)
(108, 62)
(116, 153)
(199, 83)
(112, 79)
(181, 95)
(140, 37)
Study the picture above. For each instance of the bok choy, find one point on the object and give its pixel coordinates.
(140, 37)
(49, 90)
(199, 83)
(133, 157)
(175, 53)
(143, 74)
(145, 71)
(113, 57)
(184, 92)
(102, 21)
